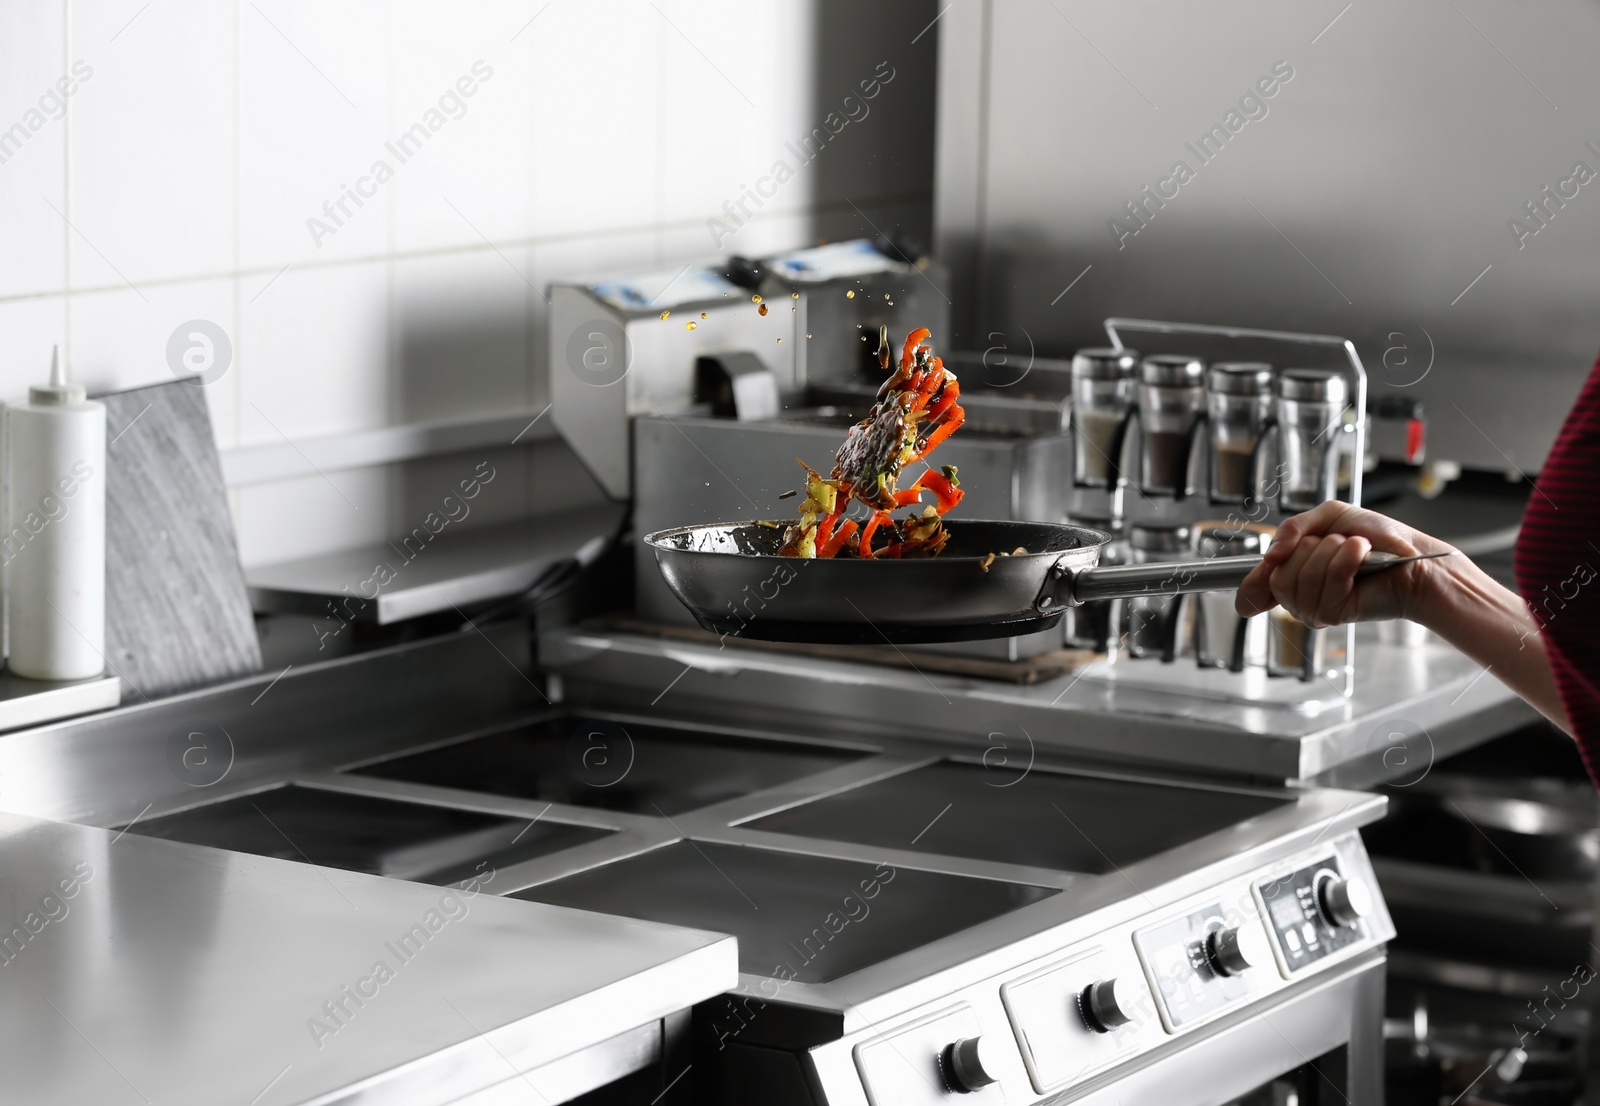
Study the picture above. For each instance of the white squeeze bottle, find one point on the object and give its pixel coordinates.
(53, 548)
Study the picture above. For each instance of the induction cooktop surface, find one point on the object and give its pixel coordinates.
(629, 766)
(362, 833)
(1040, 818)
(809, 918)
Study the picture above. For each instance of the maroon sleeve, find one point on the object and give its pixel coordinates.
(1557, 563)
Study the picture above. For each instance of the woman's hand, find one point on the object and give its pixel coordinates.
(1310, 570)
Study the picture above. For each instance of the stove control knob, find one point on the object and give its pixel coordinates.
(963, 1065)
(1105, 1005)
(1237, 950)
(1344, 902)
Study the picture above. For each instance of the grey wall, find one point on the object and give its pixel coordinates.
(1377, 185)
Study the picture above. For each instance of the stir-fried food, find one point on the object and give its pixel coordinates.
(917, 407)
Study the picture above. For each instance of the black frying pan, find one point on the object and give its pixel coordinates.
(732, 580)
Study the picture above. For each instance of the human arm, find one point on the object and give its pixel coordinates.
(1310, 572)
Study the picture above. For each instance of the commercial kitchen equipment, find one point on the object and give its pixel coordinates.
(912, 920)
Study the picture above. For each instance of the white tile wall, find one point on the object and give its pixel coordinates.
(315, 353)
(201, 136)
(33, 59)
(120, 337)
(152, 142)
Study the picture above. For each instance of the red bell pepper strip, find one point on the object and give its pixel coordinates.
(877, 519)
(825, 528)
(947, 400)
(946, 494)
(913, 340)
(840, 539)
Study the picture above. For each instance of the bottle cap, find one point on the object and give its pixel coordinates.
(1105, 364)
(1172, 370)
(1240, 378)
(60, 392)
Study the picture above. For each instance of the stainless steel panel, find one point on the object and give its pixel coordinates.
(147, 970)
(579, 1073)
(609, 364)
(1436, 700)
(840, 331)
(411, 576)
(191, 748)
(1373, 195)
(25, 702)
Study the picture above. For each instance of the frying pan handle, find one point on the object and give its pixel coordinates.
(1177, 577)
(1159, 578)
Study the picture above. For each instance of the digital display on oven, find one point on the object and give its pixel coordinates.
(1303, 933)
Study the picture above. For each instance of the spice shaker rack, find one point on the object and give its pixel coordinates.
(1192, 499)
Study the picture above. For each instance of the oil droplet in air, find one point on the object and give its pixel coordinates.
(808, 337)
(850, 295)
(689, 325)
(664, 315)
(755, 299)
(794, 295)
(702, 314)
(886, 295)
(762, 309)
(780, 341)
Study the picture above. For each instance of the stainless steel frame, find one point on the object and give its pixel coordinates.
(1358, 378)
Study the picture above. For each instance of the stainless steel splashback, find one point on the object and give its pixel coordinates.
(1362, 170)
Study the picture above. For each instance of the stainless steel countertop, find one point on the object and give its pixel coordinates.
(392, 581)
(139, 970)
(1433, 697)
(25, 702)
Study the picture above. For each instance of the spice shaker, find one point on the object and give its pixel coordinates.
(1310, 406)
(1148, 618)
(1222, 638)
(1295, 649)
(1102, 393)
(1093, 625)
(1238, 405)
(1171, 399)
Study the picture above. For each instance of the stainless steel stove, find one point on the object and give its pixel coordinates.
(914, 925)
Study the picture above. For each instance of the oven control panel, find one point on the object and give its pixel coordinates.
(1075, 1016)
(1205, 960)
(1315, 911)
(1079, 1015)
(944, 1056)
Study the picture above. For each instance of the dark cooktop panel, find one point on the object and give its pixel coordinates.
(385, 837)
(631, 767)
(808, 918)
(1054, 820)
